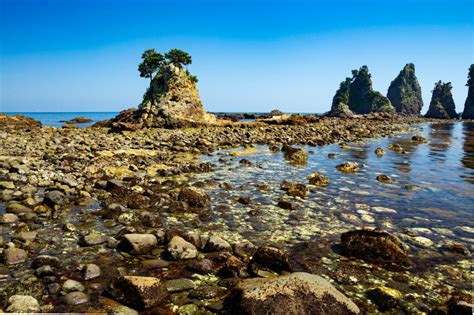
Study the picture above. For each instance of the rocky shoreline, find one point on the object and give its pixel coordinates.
(85, 222)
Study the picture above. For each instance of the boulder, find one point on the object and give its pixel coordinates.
(318, 179)
(18, 121)
(296, 156)
(296, 293)
(215, 244)
(348, 167)
(54, 197)
(468, 112)
(23, 304)
(76, 298)
(384, 297)
(294, 189)
(405, 92)
(376, 246)
(138, 244)
(178, 285)
(72, 286)
(270, 259)
(14, 256)
(139, 292)
(90, 271)
(442, 104)
(195, 197)
(180, 249)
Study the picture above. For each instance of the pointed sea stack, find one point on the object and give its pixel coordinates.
(362, 98)
(405, 92)
(171, 101)
(468, 112)
(339, 107)
(442, 104)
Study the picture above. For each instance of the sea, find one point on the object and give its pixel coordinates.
(54, 118)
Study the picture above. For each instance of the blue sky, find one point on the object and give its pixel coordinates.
(82, 55)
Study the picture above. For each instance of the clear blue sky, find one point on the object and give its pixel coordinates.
(82, 55)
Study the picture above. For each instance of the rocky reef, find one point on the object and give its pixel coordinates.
(442, 104)
(405, 92)
(18, 121)
(171, 101)
(356, 95)
(468, 112)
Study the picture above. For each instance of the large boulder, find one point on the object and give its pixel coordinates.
(296, 293)
(376, 246)
(269, 258)
(18, 121)
(139, 292)
(405, 92)
(137, 244)
(468, 112)
(171, 101)
(194, 197)
(442, 104)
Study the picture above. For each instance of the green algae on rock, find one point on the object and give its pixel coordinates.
(442, 104)
(468, 112)
(405, 92)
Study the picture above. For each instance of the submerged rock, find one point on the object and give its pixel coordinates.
(138, 244)
(140, 292)
(405, 92)
(468, 112)
(296, 293)
(180, 249)
(348, 167)
(376, 246)
(442, 104)
(14, 256)
(318, 179)
(23, 304)
(295, 155)
(294, 189)
(272, 259)
(379, 152)
(195, 197)
(385, 297)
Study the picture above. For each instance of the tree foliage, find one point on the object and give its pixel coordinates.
(151, 63)
(178, 57)
(470, 76)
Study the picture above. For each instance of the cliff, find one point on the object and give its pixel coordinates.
(468, 112)
(442, 104)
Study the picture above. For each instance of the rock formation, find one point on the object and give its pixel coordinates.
(18, 121)
(362, 98)
(356, 95)
(468, 112)
(442, 103)
(339, 107)
(405, 92)
(171, 101)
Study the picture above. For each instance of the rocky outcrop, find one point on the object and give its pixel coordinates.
(442, 104)
(171, 101)
(339, 107)
(77, 120)
(18, 121)
(468, 112)
(296, 293)
(405, 92)
(362, 98)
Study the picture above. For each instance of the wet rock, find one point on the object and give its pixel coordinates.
(76, 298)
(8, 218)
(178, 285)
(25, 236)
(295, 155)
(215, 244)
(18, 208)
(294, 189)
(194, 197)
(348, 167)
(72, 286)
(138, 244)
(384, 178)
(206, 292)
(90, 271)
(395, 147)
(14, 256)
(460, 303)
(418, 138)
(113, 307)
(180, 249)
(296, 293)
(54, 197)
(286, 204)
(271, 259)
(155, 263)
(23, 304)
(139, 292)
(244, 200)
(379, 152)
(318, 179)
(456, 248)
(93, 238)
(44, 271)
(203, 266)
(7, 185)
(43, 260)
(375, 246)
(384, 297)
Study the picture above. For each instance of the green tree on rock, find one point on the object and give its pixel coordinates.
(178, 57)
(152, 61)
(468, 112)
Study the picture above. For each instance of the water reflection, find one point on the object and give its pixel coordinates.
(440, 141)
(468, 147)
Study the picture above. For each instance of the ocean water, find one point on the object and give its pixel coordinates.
(54, 118)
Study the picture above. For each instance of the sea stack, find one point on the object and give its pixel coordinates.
(339, 107)
(356, 95)
(171, 101)
(405, 92)
(442, 104)
(468, 112)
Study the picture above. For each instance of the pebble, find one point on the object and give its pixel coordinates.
(23, 304)
(72, 285)
(76, 298)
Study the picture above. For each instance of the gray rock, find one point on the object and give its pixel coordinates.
(137, 244)
(54, 197)
(44, 271)
(76, 298)
(43, 260)
(72, 286)
(23, 304)
(178, 285)
(13, 256)
(296, 293)
(181, 249)
(215, 244)
(93, 238)
(8, 218)
(90, 271)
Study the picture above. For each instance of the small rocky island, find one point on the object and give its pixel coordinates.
(128, 216)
